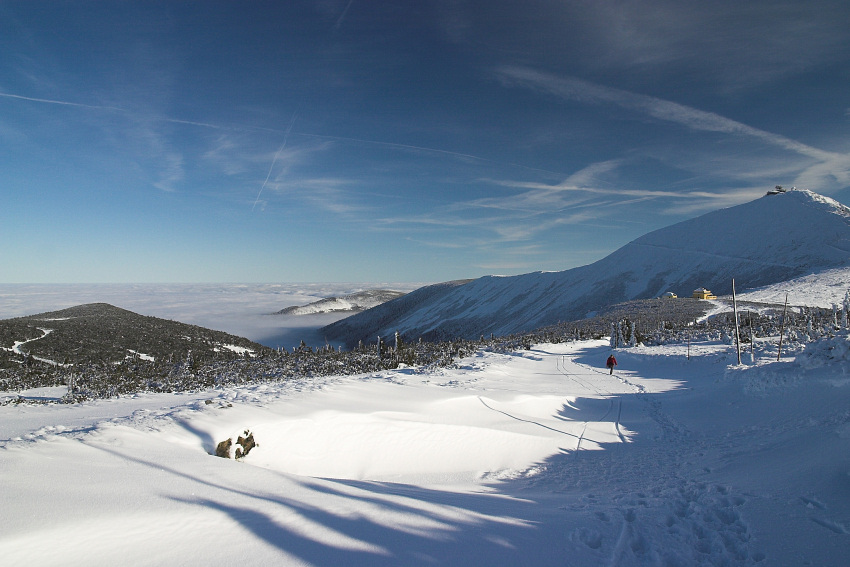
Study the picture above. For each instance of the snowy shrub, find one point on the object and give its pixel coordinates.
(825, 351)
(762, 380)
(95, 373)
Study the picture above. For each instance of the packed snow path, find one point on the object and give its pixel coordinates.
(16, 348)
(538, 458)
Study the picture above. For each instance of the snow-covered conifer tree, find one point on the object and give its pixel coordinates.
(845, 316)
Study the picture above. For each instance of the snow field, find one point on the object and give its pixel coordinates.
(823, 288)
(535, 458)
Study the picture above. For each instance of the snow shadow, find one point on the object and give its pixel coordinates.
(356, 523)
(650, 498)
(625, 503)
(207, 441)
(404, 525)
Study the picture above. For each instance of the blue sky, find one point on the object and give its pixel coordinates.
(398, 141)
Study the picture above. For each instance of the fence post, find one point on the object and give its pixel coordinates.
(737, 329)
(782, 329)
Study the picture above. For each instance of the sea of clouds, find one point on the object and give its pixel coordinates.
(245, 310)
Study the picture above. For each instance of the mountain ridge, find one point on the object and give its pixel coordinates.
(353, 302)
(771, 239)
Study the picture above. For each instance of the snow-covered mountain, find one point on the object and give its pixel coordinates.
(353, 302)
(772, 239)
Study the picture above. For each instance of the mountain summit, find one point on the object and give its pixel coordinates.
(769, 240)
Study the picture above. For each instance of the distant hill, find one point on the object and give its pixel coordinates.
(353, 303)
(772, 239)
(99, 332)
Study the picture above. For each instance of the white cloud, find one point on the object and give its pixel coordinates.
(171, 173)
(328, 194)
(579, 90)
(829, 169)
(733, 45)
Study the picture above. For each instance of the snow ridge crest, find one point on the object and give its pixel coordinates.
(775, 238)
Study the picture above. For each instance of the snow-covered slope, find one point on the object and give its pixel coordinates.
(534, 458)
(353, 302)
(819, 289)
(769, 240)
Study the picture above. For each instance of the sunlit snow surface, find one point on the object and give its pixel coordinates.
(534, 458)
(820, 289)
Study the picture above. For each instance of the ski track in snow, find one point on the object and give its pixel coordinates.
(637, 473)
(701, 522)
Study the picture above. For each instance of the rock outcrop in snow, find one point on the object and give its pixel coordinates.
(769, 240)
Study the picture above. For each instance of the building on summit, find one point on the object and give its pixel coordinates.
(702, 293)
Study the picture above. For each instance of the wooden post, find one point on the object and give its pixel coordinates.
(689, 346)
(737, 329)
(782, 329)
(752, 337)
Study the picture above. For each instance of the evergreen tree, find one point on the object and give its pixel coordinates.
(845, 317)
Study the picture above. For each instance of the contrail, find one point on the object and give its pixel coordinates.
(292, 122)
(62, 102)
(277, 155)
(202, 124)
(342, 16)
(119, 109)
(570, 88)
(425, 149)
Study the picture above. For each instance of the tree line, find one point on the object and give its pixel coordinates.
(651, 322)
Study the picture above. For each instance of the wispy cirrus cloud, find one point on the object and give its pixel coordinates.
(579, 90)
(511, 219)
(589, 188)
(148, 144)
(464, 157)
(171, 173)
(542, 188)
(589, 197)
(328, 194)
(828, 168)
(736, 45)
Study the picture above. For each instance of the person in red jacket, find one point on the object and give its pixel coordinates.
(611, 363)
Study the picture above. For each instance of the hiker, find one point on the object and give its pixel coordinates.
(611, 363)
